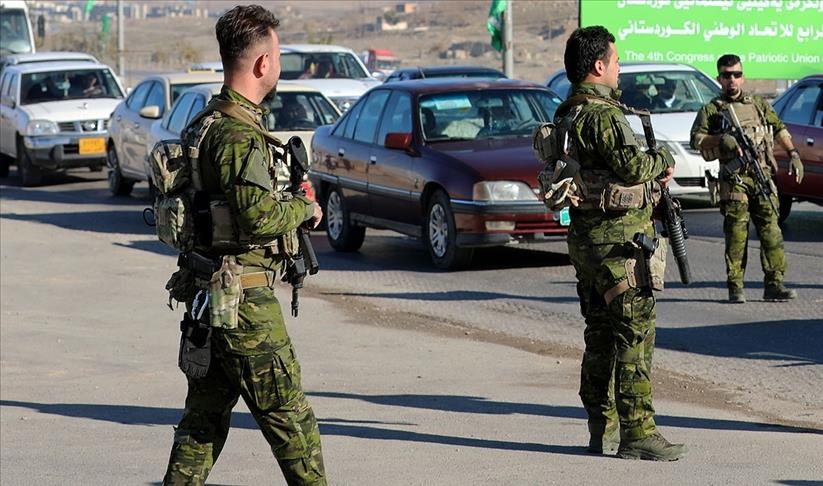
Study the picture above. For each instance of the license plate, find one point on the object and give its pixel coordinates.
(92, 146)
(565, 220)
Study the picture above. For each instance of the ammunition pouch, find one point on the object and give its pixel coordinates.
(604, 192)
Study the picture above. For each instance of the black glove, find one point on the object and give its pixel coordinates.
(195, 347)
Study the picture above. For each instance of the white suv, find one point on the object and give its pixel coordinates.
(53, 115)
(335, 71)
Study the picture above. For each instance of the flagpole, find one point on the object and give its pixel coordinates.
(508, 48)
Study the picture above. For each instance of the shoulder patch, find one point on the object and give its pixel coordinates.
(256, 167)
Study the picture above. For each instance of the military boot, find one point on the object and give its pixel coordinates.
(778, 293)
(651, 448)
(603, 439)
(736, 295)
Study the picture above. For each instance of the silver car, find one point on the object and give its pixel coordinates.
(132, 119)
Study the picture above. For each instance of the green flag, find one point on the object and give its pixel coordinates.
(495, 23)
(89, 7)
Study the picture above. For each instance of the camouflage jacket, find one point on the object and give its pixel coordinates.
(707, 119)
(604, 141)
(236, 164)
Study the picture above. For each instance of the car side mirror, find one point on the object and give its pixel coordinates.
(151, 111)
(399, 141)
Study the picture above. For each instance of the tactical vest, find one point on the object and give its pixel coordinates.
(586, 188)
(188, 216)
(753, 122)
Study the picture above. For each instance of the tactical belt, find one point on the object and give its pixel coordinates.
(618, 289)
(256, 279)
(204, 268)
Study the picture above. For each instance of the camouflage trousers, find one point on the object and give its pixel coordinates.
(615, 375)
(270, 386)
(749, 204)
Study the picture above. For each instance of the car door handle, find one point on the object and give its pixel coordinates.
(809, 141)
(341, 152)
(373, 159)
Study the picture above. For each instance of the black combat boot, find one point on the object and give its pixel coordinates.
(778, 293)
(736, 295)
(604, 439)
(651, 448)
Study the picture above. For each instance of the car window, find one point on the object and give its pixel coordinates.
(39, 87)
(180, 113)
(803, 107)
(157, 97)
(499, 113)
(398, 116)
(5, 87)
(178, 89)
(196, 107)
(369, 117)
(295, 110)
(667, 91)
(137, 99)
(318, 65)
(346, 129)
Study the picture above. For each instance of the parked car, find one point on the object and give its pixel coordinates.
(801, 109)
(131, 121)
(296, 110)
(447, 160)
(643, 86)
(335, 71)
(53, 116)
(49, 56)
(452, 71)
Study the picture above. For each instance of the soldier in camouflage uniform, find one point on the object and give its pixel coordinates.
(740, 197)
(255, 360)
(615, 381)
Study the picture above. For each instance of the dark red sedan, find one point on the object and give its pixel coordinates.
(801, 109)
(449, 161)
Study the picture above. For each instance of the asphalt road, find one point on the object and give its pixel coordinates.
(418, 377)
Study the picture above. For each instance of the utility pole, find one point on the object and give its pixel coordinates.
(508, 51)
(120, 41)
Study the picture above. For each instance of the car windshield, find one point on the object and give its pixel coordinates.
(667, 91)
(298, 110)
(320, 65)
(68, 85)
(488, 113)
(14, 31)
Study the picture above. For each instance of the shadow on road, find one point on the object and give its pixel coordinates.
(797, 341)
(138, 415)
(455, 295)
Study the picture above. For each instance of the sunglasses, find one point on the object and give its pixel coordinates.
(729, 74)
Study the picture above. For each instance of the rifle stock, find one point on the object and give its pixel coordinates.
(750, 159)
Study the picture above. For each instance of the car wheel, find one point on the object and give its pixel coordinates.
(343, 236)
(441, 235)
(118, 185)
(30, 174)
(785, 208)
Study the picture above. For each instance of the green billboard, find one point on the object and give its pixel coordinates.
(775, 39)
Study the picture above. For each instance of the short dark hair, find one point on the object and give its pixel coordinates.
(727, 60)
(241, 28)
(585, 46)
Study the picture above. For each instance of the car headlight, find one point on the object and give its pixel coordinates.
(499, 191)
(41, 127)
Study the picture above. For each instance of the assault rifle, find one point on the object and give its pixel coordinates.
(749, 158)
(297, 268)
(674, 225)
